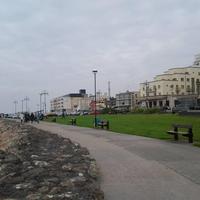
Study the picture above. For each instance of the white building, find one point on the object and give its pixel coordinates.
(72, 102)
(172, 84)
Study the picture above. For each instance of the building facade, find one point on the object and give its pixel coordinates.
(126, 101)
(174, 83)
(71, 103)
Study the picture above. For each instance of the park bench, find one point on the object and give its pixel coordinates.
(103, 123)
(176, 131)
(72, 121)
(54, 119)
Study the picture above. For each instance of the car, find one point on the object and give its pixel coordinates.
(75, 113)
(15, 116)
(179, 109)
(84, 113)
(51, 114)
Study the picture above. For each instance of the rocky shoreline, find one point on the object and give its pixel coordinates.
(35, 165)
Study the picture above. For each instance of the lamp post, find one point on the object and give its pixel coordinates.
(26, 99)
(22, 105)
(44, 104)
(95, 99)
(15, 102)
(40, 102)
(147, 93)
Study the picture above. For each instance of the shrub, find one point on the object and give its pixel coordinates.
(146, 110)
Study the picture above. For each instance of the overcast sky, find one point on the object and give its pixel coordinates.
(54, 45)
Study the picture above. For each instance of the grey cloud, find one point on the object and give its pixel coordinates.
(54, 45)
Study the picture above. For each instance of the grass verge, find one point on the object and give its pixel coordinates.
(148, 125)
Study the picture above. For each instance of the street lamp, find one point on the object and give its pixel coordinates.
(22, 104)
(26, 99)
(147, 93)
(40, 102)
(44, 104)
(15, 102)
(95, 100)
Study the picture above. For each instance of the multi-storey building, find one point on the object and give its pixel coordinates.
(72, 102)
(175, 83)
(126, 101)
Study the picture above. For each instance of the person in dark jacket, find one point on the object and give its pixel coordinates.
(32, 117)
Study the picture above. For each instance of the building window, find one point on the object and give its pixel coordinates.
(174, 79)
(188, 79)
(199, 73)
(182, 86)
(158, 86)
(172, 86)
(182, 79)
(188, 88)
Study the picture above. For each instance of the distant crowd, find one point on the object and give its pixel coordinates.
(31, 117)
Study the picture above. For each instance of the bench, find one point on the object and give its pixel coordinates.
(54, 119)
(72, 121)
(176, 131)
(103, 123)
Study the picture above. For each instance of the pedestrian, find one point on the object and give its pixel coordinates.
(21, 118)
(27, 117)
(32, 117)
(37, 117)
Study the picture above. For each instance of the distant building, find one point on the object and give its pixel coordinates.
(173, 84)
(111, 102)
(127, 101)
(70, 103)
(101, 101)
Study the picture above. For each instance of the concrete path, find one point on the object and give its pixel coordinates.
(139, 168)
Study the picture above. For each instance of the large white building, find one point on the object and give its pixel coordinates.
(70, 103)
(172, 84)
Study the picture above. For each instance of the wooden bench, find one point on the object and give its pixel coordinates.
(72, 121)
(103, 123)
(176, 131)
(54, 119)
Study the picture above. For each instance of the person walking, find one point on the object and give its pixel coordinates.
(32, 117)
(21, 118)
(37, 117)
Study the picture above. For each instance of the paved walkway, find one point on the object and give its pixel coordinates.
(139, 168)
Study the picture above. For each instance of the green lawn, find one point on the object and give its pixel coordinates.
(148, 125)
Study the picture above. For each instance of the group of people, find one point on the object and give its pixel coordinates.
(26, 117)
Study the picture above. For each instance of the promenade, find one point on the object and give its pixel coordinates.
(134, 167)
